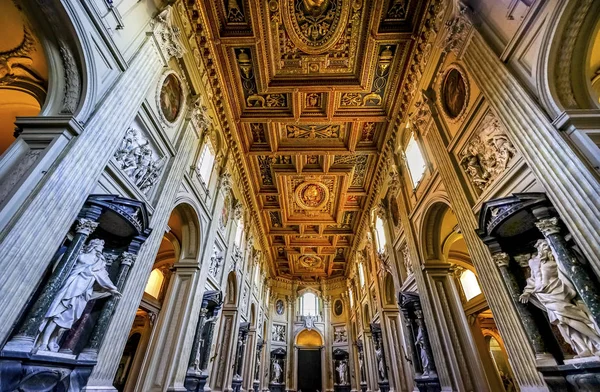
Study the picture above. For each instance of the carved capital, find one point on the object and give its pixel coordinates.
(128, 258)
(226, 182)
(85, 226)
(501, 259)
(523, 259)
(548, 226)
(238, 211)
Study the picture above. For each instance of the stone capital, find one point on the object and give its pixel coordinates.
(85, 226)
(548, 226)
(501, 259)
(128, 258)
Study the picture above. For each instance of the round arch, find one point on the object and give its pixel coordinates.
(309, 338)
(231, 293)
(429, 228)
(184, 224)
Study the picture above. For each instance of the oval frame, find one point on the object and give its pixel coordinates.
(440, 97)
(335, 306)
(161, 82)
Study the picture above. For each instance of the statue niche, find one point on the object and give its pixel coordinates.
(277, 362)
(64, 325)
(554, 291)
(342, 370)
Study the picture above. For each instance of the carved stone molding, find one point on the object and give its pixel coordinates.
(85, 226)
(458, 31)
(168, 34)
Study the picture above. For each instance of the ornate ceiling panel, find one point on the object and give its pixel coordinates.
(313, 88)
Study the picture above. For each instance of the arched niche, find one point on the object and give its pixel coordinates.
(184, 225)
(252, 315)
(438, 223)
(389, 290)
(309, 338)
(231, 292)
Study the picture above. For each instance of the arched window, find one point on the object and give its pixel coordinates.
(206, 163)
(380, 231)
(414, 160)
(309, 304)
(155, 283)
(469, 283)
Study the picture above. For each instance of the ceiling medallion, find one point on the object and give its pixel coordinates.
(310, 261)
(315, 25)
(311, 195)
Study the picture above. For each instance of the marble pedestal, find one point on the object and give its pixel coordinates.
(195, 381)
(33, 372)
(256, 385)
(574, 377)
(276, 387)
(363, 387)
(384, 386)
(428, 384)
(341, 388)
(236, 384)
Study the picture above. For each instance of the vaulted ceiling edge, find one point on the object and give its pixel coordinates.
(310, 95)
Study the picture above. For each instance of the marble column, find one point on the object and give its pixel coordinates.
(25, 338)
(520, 354)
(361, 366)
(239, 358)
(529, 324)
(328, 374)
(571, 186)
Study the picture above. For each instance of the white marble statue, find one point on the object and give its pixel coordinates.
(420, 343)
(277, 370)
(342, 370)
(88, 272)
(556, 294)
(380, 364)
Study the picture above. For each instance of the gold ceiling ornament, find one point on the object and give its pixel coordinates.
(315, 26)
(311, 195)
(310, 262)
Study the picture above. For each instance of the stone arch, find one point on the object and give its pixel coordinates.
(252, 315)
(389, 290)
(430, 233)
(309, 338)
(564, 80)
(231, 292)
(184, 223)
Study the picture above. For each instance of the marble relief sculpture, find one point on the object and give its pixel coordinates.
(137, 160)
(278, 333)
(557, 296)
(488, 154)
(88, 280)
(340, 335)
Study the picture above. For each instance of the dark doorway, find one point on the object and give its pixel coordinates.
(309, 370)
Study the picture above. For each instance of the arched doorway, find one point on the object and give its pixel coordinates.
(309, 353)
(460, 307)
(179, 243)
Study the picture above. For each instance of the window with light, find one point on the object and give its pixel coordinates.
(469, 283)
(380, 231)
(155, 283)
(207, 161)
(309, 304)
(414, 160)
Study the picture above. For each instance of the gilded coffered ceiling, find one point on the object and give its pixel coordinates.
(313, 90)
